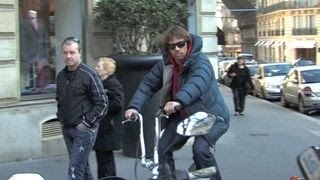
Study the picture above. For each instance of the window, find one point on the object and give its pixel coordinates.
(298, 22)
(304, 21)
(310, 76)
(311, 21)
(37, 50)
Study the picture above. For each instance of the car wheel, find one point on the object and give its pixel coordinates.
(254, 93)
(301, 106)
(283, 101)
(263, 94)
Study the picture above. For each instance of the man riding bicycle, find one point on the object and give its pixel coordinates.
(185, 78)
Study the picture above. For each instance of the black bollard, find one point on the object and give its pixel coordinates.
(130, 72)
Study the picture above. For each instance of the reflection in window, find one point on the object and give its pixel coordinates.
(37, 51)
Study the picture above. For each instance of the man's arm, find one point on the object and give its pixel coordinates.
(99, 101)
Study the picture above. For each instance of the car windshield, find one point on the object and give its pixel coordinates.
(304, 62)
(276, 70)
(310, 76)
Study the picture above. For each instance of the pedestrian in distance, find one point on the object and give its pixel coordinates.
(241, 84)
(81, 103)
(109, 138)
(187, 79)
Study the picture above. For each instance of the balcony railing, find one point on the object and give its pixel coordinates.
(289, 5)
(304, 31)
(276, 32)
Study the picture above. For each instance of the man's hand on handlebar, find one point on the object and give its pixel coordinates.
(172, 107)
(130, 115)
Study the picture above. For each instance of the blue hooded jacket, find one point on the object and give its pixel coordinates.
(199, 90)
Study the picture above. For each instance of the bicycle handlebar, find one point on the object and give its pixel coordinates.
(133, 118)
(178, 107)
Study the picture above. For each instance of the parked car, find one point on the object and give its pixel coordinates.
(301, 88)
(303, 62)
(248, 58)
(253, 70)
(223, 67)
(269, 78)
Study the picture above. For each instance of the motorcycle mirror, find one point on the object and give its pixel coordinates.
(197, 124)
(309, 162)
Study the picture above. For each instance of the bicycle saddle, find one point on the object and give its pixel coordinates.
(197, 124)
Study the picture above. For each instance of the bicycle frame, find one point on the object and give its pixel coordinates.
(148, 163)
(153, 165)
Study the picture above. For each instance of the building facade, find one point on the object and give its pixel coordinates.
(31, 32)
(245, 13)
(288, 30)
(229, 25)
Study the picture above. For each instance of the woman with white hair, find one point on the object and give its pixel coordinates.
(108, 138)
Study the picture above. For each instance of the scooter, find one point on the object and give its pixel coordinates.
(309, 164)
(197, 124)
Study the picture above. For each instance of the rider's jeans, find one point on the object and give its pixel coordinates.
(171, 141)
(79, 144)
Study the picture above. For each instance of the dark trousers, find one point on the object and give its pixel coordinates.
(171, 141)
(106, 164)
(79, 144)
(239, 99)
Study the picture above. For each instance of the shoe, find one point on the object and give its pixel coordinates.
(236, 114)
(241, 114)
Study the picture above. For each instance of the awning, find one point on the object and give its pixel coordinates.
(277, 44)
(302, 44)
(267, 43)
(259, 43)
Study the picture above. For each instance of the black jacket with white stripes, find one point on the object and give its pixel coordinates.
(80, 97)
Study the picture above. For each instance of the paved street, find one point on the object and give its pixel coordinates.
(262, 145)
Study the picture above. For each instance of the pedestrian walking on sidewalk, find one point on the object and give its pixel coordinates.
(187, 79)
(81, 103)
(108, 138)
(240, 84)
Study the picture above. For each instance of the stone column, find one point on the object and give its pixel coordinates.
(69, 17)
(203, 23)
(9, 51)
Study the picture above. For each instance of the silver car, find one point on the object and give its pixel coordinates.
(268, 79)
(301, 88)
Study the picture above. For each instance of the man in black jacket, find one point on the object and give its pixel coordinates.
(81, 102)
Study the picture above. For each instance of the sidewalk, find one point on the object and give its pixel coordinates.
(258, 141)
(55, 168)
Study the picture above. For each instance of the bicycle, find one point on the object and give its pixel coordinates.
(197, 124)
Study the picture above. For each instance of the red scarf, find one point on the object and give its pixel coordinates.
(177, 69)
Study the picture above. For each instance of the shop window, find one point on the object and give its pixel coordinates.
(37, 47)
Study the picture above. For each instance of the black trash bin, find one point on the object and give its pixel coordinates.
(130, 71)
